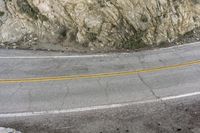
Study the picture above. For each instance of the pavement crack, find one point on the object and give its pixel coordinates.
(13, 93)
(166, 106)
(20, 86)
(148, 86)
(161, 60)
(65, 96)
(154, 94)
(178, 55)
(141, 60)
(29, 99)
(104, 87)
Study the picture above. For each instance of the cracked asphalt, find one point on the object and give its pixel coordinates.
(55, 82)
(174, 116)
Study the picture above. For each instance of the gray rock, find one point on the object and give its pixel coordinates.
(13, 30)
(8, 130)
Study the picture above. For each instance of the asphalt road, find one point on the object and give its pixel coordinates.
(44, 83)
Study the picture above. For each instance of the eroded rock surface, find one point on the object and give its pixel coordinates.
(96, 23)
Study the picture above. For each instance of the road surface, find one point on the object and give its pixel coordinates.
(40, 83)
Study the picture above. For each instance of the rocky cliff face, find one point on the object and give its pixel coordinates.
(96, 23)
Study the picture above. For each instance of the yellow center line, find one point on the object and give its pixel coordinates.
(99, 75)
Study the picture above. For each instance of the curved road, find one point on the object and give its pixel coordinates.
(37, 83)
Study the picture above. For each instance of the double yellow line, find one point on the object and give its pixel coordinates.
(99, 75)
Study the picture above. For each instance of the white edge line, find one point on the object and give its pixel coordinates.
(90, 56)
(54, 112)
(52, 57)
(178, 46)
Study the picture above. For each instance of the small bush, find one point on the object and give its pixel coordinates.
(27, 9)
(144, 18)
(1, 13)
(92, 36)
(134, 42)
(32, 12)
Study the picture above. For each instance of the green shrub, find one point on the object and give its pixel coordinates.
(144, 18)
(134, 41)
(32, 12)
(1, 13)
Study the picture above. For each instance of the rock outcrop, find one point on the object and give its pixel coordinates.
(96, 23)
